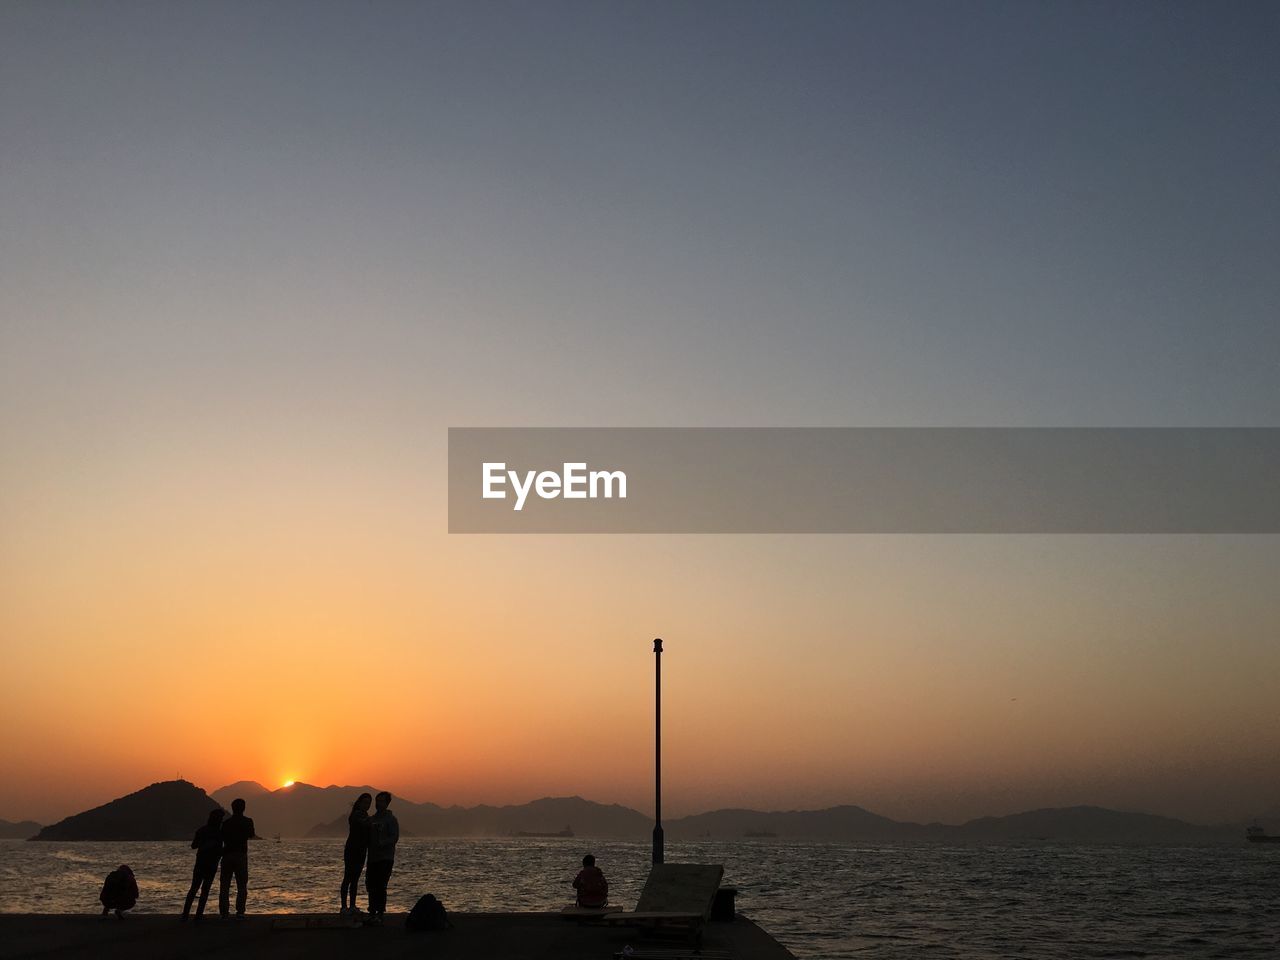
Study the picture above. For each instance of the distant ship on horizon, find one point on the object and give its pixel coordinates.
(526, 834)
(1255, 834)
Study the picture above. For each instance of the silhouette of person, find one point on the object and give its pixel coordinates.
(119, 891)
(384, 831)
(592, 887)
(207, 844)
(237, 831)
(357, 847)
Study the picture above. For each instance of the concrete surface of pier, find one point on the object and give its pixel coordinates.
(476, 936)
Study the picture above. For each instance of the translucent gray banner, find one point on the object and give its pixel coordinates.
(864, 480)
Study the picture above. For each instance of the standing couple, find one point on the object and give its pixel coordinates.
(222, 840)
(372, 837)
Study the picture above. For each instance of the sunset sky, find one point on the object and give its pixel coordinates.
(255, 259)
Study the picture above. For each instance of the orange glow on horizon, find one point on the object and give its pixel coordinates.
(929, 678)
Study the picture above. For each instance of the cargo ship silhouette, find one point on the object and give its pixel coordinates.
(1255, 834)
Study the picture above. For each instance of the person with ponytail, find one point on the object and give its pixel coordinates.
(356, 849)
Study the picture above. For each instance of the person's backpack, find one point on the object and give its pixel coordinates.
(427, 914)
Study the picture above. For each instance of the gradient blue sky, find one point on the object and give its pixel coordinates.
(251, 249)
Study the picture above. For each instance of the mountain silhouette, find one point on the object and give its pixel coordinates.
(22, 830)
(293, 810)
(170, 810)
(245, 789)
(833, 823)
(1092, 824)
(547, 815)
(1068, 824)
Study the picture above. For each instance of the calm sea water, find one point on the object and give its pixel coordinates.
(822, 900)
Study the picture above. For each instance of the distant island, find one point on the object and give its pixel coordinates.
(22, 830)
(171, 810)
(163, 811)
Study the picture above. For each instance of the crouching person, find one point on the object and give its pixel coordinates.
(119, 892)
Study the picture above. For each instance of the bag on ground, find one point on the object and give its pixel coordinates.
(428, 914)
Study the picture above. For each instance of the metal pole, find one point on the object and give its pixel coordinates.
(657, 751)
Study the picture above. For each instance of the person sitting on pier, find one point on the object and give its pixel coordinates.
(207, 844)
(119, 891)
(592, 887)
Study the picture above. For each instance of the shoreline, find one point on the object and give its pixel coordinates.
(475, 936)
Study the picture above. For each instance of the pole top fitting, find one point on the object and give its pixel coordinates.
(657, 644)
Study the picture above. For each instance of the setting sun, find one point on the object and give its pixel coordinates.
(287, 783)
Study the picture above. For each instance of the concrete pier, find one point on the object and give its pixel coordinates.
(476, 936)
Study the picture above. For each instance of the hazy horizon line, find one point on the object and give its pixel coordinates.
(577, 796)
